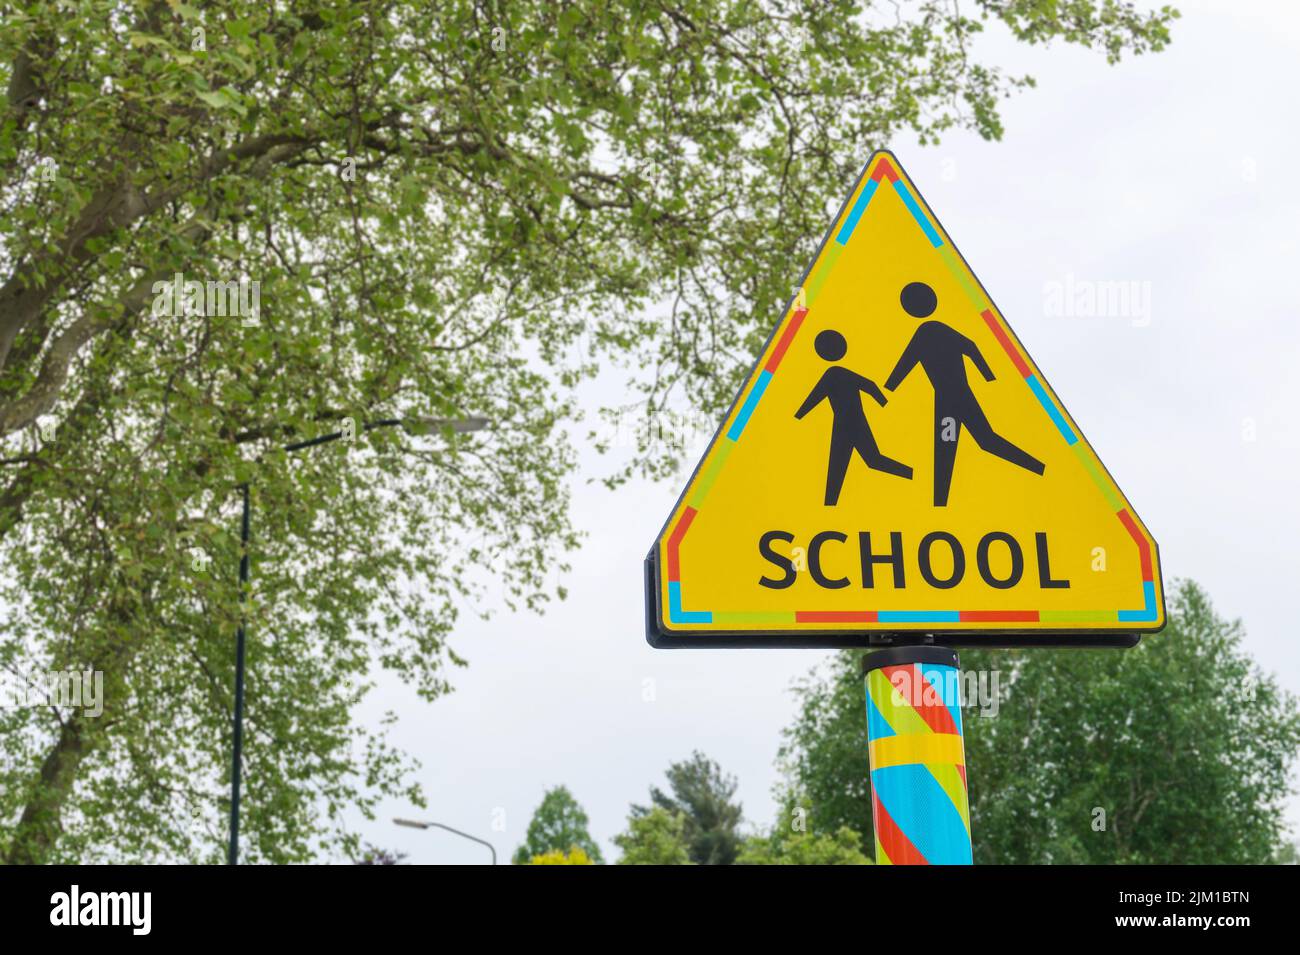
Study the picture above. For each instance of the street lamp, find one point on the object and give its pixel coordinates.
(457, 425)
(415, 824)
(423, 425)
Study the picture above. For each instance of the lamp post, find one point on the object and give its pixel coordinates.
(426, 426)
(415, 824)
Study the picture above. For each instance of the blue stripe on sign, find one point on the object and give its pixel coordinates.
(855, 214)
(750, 404)
(918, 616)
(675, 612)
(877, 726)
(917, 214)
(1147, 614)
(1137, 616)
(947, 683)
(922, 809)
(1057, 419)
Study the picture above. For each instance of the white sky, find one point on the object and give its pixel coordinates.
(1170, 170)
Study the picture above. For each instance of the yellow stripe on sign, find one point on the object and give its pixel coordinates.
(894, 707)
(946, 775)
(823, 272)
(911, 748)
(959, 273)
(882, 858)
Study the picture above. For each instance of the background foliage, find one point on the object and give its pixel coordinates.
(654, 837)
(559, 825)
(841, 847)
(702, 797)
(453, 208)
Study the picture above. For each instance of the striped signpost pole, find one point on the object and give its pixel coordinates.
(919, 805)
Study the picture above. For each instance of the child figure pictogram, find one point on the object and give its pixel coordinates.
(843, 389)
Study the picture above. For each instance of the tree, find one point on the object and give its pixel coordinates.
(825, 771)
(1177, 751)
(575, 856)
(1180, 751)
(559, 824)
(701, 795)
(843, 847)
(224, 227)
(654, 838)
(373, 855)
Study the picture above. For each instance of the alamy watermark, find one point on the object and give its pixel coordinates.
(973, 688)
(687, 432)
(1090, 298)
(68, 689)
(180, 296)
(89, 907)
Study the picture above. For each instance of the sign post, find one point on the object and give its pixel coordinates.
(919, 805)
(896, 470)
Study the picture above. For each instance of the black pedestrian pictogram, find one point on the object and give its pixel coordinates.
(849, 430)
(941, 351)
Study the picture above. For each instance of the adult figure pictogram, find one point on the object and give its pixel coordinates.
(850, 432)
(942, 352)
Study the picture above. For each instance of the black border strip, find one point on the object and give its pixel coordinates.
(894, 656)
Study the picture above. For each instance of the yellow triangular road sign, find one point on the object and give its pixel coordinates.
(896, 463)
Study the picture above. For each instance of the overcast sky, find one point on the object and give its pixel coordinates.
(1174, 171)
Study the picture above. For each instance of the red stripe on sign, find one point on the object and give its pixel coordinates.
(892, 671)
(997, 616)
(922, 696)
(992, 321)
(962, 770)
(835, 616)
(1143, 547)
(897, 846)
(779, 352)
(675, 539)
(885, 170)
(937, 716)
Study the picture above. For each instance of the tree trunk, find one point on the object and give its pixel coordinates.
(40, 825)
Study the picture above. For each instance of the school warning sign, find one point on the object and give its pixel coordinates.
(896, 462)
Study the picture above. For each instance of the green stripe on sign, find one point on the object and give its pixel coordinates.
(823, 271)
(711, 473)
(1098, 478)
(1078, 616)
(753, 616)
(950, 259)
